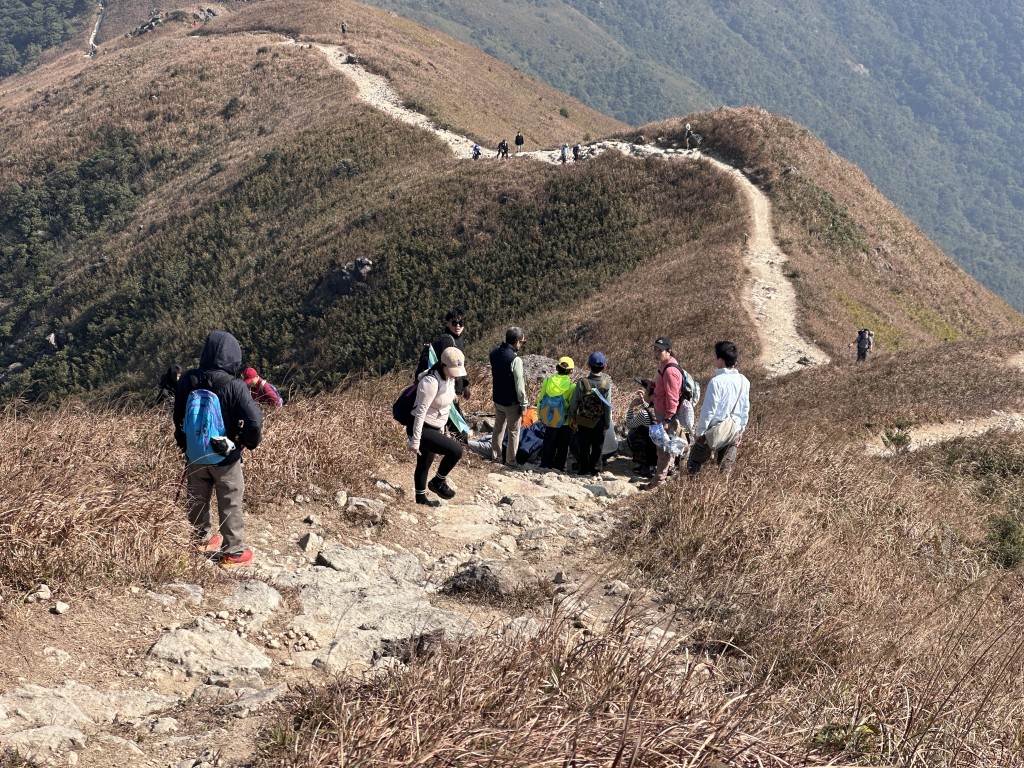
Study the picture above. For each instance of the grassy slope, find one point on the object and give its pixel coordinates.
(854, 258)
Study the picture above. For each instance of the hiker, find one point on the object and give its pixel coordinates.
(865, 341)
(503, 149)
(262, 391)
(344, 28)
(476, 151)
(434, 397)
(724, 415)
(509, 393)
(168, 383)
(640, 414)
(576, 152)
(451, 336)
(553, 412)
(206, 397)
(591, 411)
(691, 138)
(564, 155)
(519, 141)
(673, 411)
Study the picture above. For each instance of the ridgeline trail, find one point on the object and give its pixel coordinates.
(770, 298)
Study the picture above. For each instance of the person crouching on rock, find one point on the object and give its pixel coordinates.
(434, 397)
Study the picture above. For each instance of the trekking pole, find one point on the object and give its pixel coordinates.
(181, 483)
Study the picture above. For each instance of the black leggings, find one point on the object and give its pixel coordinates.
(432, 443)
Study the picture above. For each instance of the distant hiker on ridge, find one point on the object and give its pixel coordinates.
(564, 155)
(576, 152)
(476, 151)
(434, 397)
(214, 419)
(503, 149)
(865, 341)
(519, 141)
(509, 392)
(724, 415)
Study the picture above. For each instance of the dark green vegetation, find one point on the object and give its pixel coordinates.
(279, 248)
(26, 29)
(926, 98)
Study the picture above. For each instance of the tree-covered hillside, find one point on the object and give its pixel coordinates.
(27, 28)
(925, 97)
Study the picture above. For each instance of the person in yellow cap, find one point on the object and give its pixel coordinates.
(553, 412)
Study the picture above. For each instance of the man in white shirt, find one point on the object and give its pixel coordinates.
(727, 397)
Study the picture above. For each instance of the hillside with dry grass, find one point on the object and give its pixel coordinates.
(225, 152)
(822, 605)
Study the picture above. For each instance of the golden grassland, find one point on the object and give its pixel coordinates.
(822, 607)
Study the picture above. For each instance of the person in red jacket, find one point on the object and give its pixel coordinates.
(262, 391)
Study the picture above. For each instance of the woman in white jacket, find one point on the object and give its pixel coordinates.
(434, 397)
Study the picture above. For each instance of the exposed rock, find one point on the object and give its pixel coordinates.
(45, 739)
(39, 594)
(340, 500)
(256, 599)
(74, 706)
(311, 542)
(200, 653)
(369, 511)
(192, 593)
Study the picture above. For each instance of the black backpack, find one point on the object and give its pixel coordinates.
(402, 409)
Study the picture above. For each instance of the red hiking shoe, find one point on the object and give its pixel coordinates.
(213, 544)
(245, 557)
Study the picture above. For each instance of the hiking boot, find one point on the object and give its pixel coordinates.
(213, 544)
(441, 488)
(245, 557)
(421, 498)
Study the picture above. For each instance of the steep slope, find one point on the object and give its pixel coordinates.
(924, 97)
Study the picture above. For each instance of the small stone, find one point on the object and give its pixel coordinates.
(223, 615)
(312, 520)
(311, 542)
(72, 758)
(617, 589)
(559, 578)
(60, 608)
(134, 590)
(165, 725)
(340, 499)
(300, 499)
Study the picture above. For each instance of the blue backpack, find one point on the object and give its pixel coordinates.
(552, 411)
(204, 421)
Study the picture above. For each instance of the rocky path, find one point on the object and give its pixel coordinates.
(101, 9)
(186, 674)
(770, 299)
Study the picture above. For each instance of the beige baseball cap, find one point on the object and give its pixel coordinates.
(454, 362)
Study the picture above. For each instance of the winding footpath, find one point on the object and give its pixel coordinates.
(770, 299)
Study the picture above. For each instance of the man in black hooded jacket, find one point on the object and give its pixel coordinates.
(219, 363)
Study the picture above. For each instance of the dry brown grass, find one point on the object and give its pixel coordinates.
(565, 698)
(90, 495)
(460, 86)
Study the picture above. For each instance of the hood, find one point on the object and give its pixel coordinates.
(559, 384)
(221, 352)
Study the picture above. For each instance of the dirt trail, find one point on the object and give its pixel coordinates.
(770, 300)
(924, 435)
(100, 10)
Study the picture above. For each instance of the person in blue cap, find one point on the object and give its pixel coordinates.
(590, 409)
